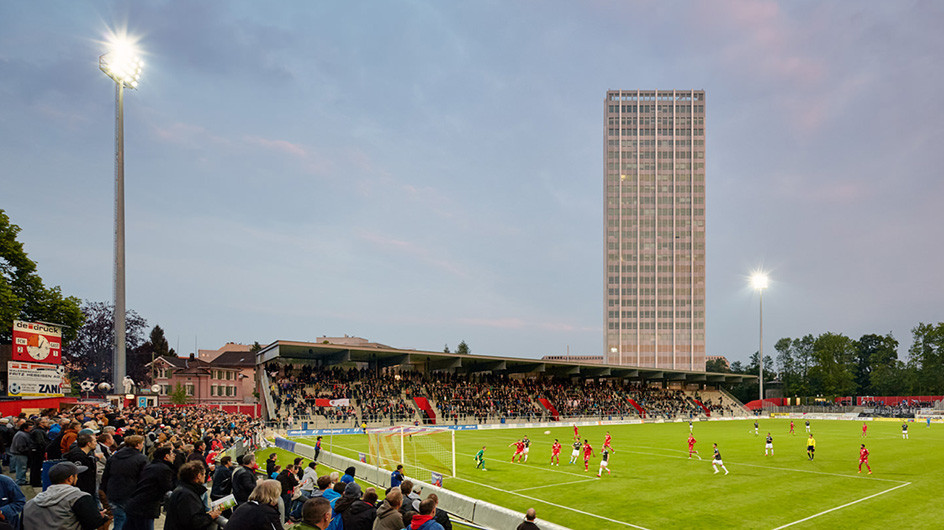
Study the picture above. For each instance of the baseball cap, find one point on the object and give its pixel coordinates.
(63, 470)
(86, 431)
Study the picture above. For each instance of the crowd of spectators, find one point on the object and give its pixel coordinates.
(385, 397)
(108, 464)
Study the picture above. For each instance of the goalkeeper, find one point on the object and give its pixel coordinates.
(480, 459)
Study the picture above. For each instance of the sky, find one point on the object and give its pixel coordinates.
(420, 173)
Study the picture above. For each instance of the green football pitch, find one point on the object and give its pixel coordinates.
(654, 484)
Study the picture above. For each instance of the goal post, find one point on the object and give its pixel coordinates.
(430, 449)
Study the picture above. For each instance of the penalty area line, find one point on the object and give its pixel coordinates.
(843, 506)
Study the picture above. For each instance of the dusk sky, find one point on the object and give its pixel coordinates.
(419, 173)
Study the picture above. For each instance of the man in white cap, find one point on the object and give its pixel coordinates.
(63, 505)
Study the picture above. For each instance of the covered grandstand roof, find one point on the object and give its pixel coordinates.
(382, 357)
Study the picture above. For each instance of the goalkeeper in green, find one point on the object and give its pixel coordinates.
(480, 459)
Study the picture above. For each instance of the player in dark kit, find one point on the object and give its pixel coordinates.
(769, 446)
(716, 461)
(575, 453)
(604, 463)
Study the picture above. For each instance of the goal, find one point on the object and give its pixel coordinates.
(418, 448)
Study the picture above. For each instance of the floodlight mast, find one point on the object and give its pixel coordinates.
(759, 282)
(122, 65)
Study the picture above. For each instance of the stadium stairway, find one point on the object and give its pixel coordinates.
(267, 394)
(550, 408)
(704, 408)
(639, 409)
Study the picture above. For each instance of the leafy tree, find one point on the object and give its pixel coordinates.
(872, 352)
(179, 395)
(138, 359)
(927, 357)
(255, 347)
(23, 295)
(832, 373)
(463, 348)
(91, 353)
(716, 365)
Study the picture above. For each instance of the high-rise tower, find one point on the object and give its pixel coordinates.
(654, 174)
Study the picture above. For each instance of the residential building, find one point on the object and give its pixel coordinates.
(654, 171)
(205, 382)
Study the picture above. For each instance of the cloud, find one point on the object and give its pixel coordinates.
(414, 251)
(282, 146)
(516, 323)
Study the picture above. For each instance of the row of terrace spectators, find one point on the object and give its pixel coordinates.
(386, 397)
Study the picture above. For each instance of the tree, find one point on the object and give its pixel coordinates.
(927, 357)
(255, 347)
(716, 365)
(179, 395)
(446, 349)
(91, 353)
(138, 359)
(463, 348)
(832, 373)
(23, 295)
(873, 352)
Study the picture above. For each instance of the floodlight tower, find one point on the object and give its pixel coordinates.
(122, 64)
(759, 282)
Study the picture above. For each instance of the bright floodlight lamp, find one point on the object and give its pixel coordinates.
(759, 281)
(123, 66)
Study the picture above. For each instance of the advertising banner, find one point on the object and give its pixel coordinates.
(319, 402)
(37, 343)
(34, 380)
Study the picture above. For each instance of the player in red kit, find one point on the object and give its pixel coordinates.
(576, 432)
(691, 446)
(555, 453)
(865, 428)
(519, 451)
(606, 442)
(791, 428)
(864, 459)
(587, 453)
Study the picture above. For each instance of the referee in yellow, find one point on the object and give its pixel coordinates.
(811, 447)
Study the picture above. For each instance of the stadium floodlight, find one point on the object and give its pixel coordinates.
(122, 64)
(759, 282)
(430, 449)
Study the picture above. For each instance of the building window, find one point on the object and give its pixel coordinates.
(189, 389)
(212, 390)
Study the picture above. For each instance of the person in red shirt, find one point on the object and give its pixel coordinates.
(691, 446)
(791, 428)
(576, 433)
(555, 453)
(519, 451)
(587, 453)
(864, 459)
(606, 442)
(865, 427)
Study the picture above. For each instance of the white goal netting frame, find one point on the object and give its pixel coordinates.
(431, 449)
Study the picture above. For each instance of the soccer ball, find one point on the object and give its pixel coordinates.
(14, 389)
(547, 432)
(155, 388)
(87, 386)
(104, 387)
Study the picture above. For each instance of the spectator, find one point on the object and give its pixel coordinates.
(408, 517)
(197, 454)
(406, 488)
(425, 519)
(81, 455)
(396, 477)
(330, 493)
(37, 452)
(349, 475)
(121, 475)
(270, 464)
(440, 515)
(143, 506)
(388, 515)
(63, 505)
(68, 437)
(352, 492)
(261, 511)
(222, 479)
(528, 523)
(244, 479)
(185, 508)
(6, 438)
(316, 513)
(288, 481)
(11, 500)
(361, 514)
(19, 452)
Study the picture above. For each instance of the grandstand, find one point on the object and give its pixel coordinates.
(344, 385)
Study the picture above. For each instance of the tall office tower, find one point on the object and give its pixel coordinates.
(655, 228)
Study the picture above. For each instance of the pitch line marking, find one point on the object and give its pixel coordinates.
(557, 484)
(779, 468)
(844, 505)
(553, 504)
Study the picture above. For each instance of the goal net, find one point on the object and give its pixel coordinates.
(428, 449)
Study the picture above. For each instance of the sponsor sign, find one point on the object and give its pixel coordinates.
(37, 343)
(362, 457)
(436, 479)
(332, 402)
(34, 380)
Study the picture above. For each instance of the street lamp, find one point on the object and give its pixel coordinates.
(122, 64)
(759, 283)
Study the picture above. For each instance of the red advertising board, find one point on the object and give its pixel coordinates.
(37, 343)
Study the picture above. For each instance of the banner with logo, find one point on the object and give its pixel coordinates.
(37, 343)
(332, 402)
(34, 380)
(436, 479)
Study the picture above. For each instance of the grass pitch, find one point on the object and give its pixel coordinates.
(655, 485)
